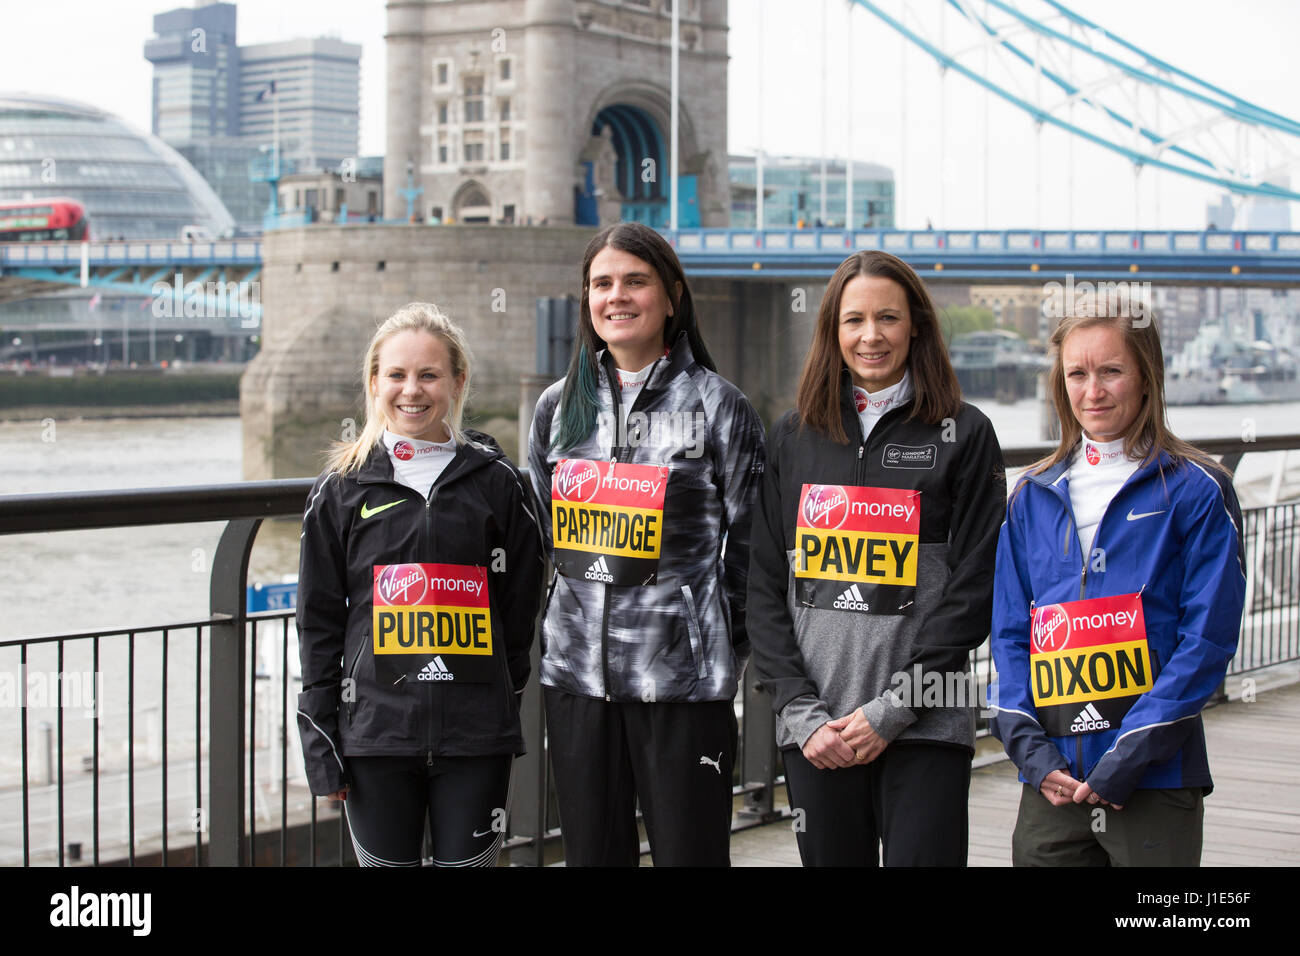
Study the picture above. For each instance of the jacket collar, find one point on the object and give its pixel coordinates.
(1054, 474)
(475, 451)
(849, 408)
(679, 358)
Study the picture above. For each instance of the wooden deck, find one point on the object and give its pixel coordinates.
(1251, 819)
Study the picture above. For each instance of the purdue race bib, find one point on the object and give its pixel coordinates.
(1089, 663)
(432, 623)
(856, 548)
(607, 520)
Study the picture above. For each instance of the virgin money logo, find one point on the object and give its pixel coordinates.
(403, 451)
(1093, 456)
(1051, 628)
(577, 480)
(860, 400)
(825, 506)
(403, 584)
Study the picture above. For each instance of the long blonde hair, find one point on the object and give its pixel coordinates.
(346, 457)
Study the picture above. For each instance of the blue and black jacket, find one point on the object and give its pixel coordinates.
(1172, 532)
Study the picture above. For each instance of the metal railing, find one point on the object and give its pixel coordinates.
(244, 734)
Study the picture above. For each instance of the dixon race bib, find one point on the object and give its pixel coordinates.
(432, 623)
(1089, 663)
(856, 548)
(607, 520)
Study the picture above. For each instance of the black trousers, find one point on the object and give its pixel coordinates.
(463, 798)
(911, 799)
(674, 758)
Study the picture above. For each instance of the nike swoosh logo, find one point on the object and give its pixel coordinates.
(1133, 517)
(367, 511)
(484, 833)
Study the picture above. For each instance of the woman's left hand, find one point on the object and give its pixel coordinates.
(1084, 793)
(855, 731)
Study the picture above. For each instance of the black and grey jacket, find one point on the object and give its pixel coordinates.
(683, 637)
(480, 513)
(820, 664)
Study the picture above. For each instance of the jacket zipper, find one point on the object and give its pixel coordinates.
(619, 426)
(441, 481)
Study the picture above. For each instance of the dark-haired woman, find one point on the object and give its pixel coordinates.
(871, 577)
(1118, 600)
(646, 463)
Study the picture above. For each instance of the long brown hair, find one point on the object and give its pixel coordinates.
(938, 395)
(1149, 434)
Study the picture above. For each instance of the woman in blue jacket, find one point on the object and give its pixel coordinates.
(1117, 603)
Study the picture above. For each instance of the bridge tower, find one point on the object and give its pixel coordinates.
(555, 111)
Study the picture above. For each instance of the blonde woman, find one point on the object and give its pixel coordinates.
(419, 584)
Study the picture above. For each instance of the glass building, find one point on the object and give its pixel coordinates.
(792, 188)
(133, 186)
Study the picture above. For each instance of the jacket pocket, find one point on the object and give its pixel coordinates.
(693, 630)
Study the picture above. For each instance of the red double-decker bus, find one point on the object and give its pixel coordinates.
(40, 220)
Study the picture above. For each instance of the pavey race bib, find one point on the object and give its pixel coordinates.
(607, 520)
(432, 623)
(856, 548)
(1089, 662)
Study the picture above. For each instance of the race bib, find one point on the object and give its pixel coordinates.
(856, 548)
(607, 520)
(432, 623)
(1089, 662)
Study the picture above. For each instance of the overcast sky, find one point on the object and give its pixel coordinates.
(92, 50)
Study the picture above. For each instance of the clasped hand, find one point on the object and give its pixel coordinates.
(844, 742)
(1061, 790)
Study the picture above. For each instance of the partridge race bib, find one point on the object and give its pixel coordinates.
(432, 623)
(856, 548)
(1089, 663)
(607, 520)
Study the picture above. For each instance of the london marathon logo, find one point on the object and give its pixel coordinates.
(825, 506)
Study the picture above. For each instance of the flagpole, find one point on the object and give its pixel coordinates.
(674, 118)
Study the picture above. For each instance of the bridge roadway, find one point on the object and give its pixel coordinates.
(1014, 255)
(1251, 819)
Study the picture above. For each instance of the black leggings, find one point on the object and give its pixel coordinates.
(463, 798)
(911, 799)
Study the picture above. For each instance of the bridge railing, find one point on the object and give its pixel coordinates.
(130, 252)
(983, 242)
(174, 743)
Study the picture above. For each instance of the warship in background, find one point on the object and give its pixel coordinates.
(1217, 369)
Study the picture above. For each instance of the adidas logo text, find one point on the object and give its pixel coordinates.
(1089, 719)
(599, 571)
(435, 670)
(851, 600)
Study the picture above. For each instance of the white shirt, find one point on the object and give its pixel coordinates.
(1098, 470)
(417, 464)
(630, 385)
(871, 405)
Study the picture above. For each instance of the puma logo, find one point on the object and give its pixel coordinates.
(715, 764)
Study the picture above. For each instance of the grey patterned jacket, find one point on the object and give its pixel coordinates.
(682, 637)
